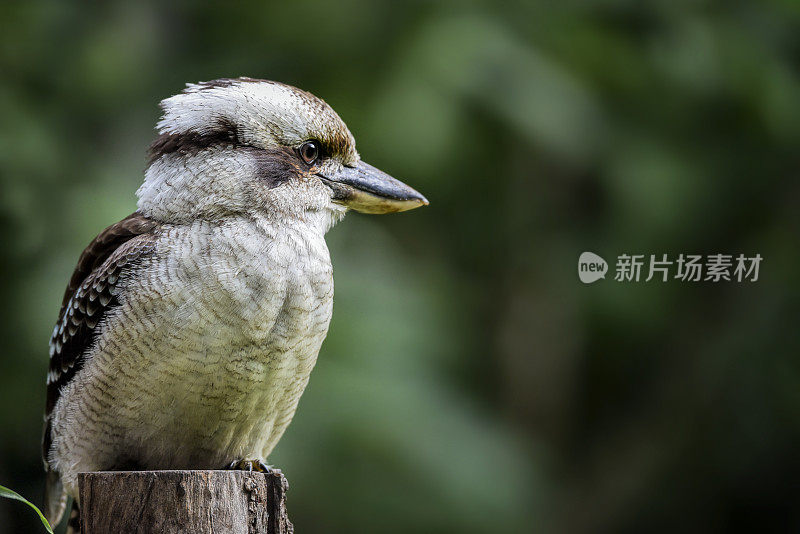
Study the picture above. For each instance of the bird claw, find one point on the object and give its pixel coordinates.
(252, 465)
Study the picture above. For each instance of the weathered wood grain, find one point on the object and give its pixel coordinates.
(171, 502)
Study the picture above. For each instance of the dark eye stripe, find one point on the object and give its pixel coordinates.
(193, 142)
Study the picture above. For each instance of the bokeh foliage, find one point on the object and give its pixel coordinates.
(469, 383)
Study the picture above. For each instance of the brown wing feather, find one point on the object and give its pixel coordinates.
(91, 293)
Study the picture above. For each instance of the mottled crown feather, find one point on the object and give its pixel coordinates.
(251, 112)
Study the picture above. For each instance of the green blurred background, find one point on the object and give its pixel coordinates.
(470, 382)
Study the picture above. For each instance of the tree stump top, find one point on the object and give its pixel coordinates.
(168, 502)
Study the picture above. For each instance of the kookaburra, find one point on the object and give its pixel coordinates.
(189, 329)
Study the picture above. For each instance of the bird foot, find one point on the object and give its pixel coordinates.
(252, 465)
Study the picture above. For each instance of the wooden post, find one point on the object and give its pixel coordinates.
(172, 502)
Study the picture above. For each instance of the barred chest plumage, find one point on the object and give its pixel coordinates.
(215, 347)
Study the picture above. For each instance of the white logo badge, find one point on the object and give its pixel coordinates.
(591, 267)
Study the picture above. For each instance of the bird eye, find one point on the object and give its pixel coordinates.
(309, 151)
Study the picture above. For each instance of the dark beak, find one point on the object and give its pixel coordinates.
(369, 190)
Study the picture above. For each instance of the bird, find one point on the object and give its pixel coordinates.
(188, 330)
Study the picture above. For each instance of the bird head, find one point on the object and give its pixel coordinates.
(239, 146)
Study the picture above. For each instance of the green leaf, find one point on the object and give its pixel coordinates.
(9, 494)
